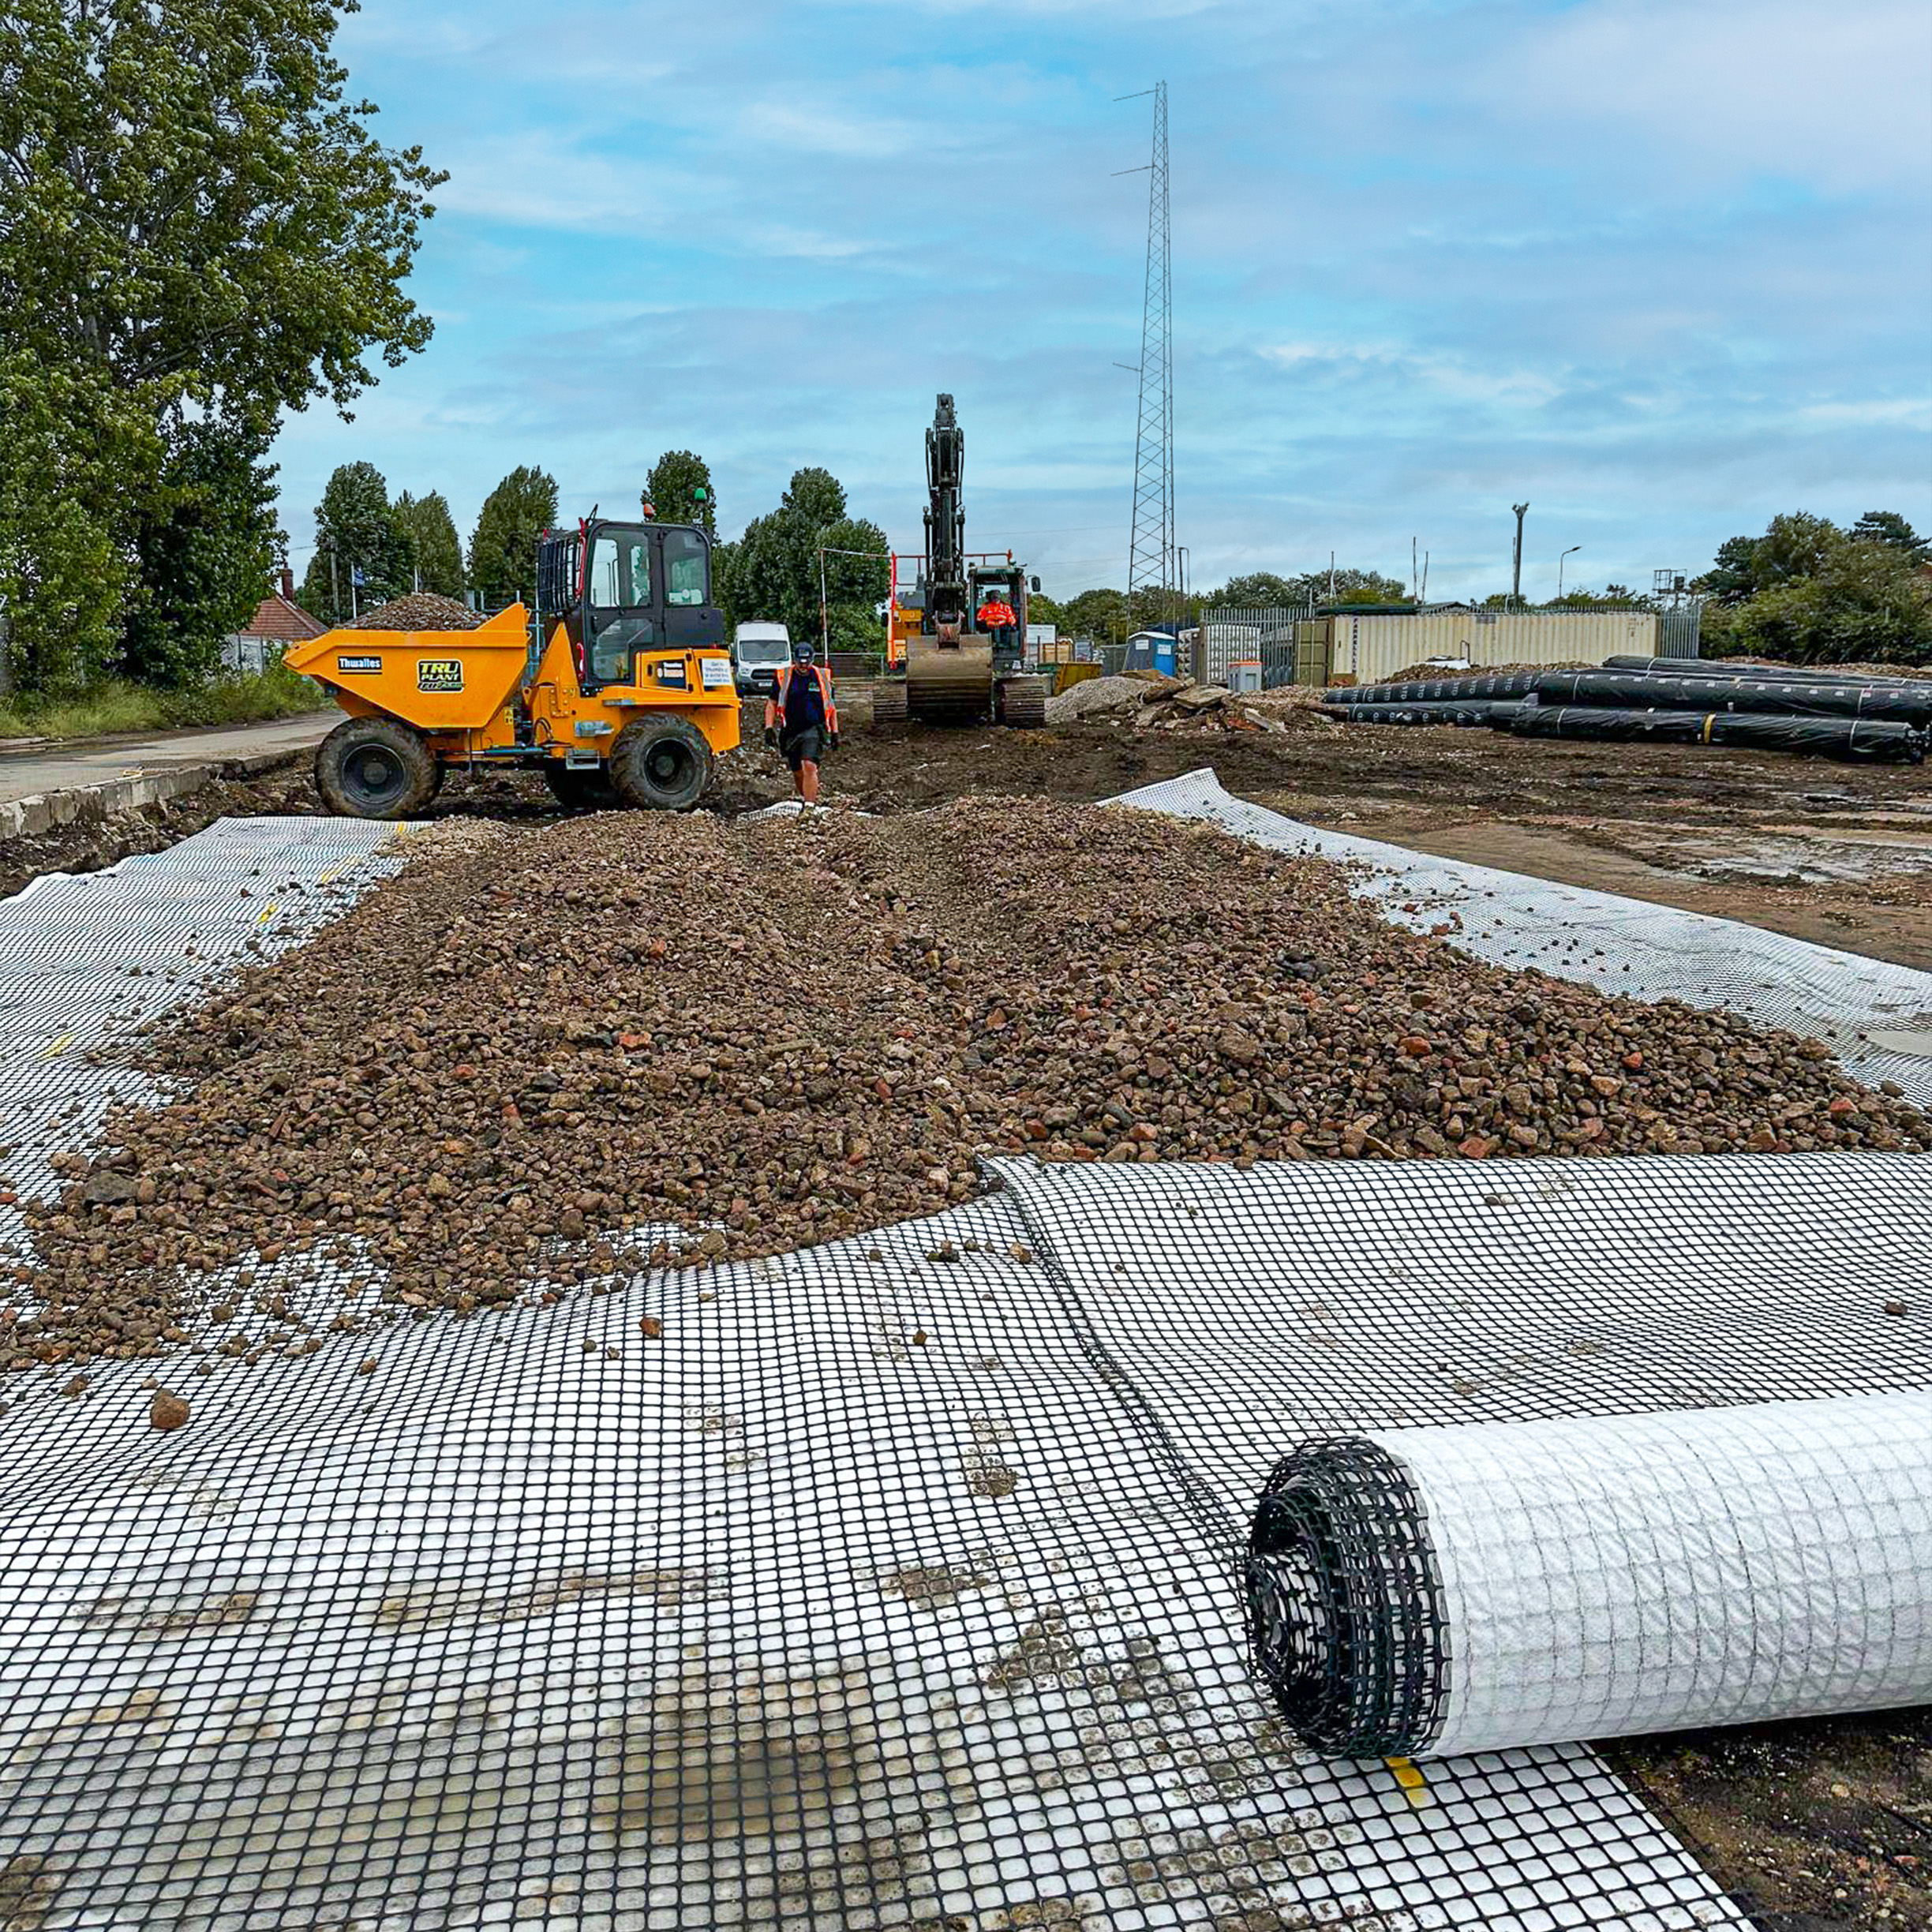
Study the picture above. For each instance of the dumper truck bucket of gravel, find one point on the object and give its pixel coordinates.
(895, 1581)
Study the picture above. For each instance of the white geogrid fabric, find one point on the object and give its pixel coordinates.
(1602, 1578)
(888, 1586)
(1877, 1017)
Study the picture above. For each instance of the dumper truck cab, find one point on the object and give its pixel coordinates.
(759, 652)
(617, 688)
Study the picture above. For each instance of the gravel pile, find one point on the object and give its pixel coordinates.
(501, 1067)
(421, 610)
(1096, 694)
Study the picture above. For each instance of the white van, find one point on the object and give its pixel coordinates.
(759, 652)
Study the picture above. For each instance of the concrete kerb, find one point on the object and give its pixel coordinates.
(45, 811)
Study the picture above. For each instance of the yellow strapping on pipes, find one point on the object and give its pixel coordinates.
(1710, 719)
(1414, 1789)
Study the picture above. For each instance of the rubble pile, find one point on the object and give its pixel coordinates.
(1146, 701)
(512, 1067)
(420, 610)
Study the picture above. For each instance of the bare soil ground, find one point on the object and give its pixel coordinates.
(1820, 1825)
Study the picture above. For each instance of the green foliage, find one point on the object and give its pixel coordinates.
(1258, 590)
(119, 706)
(191, 205)
(502, 547)
(1888, 526)
(1266, 590)
(432, 532)
(206, 535)
(196, 232)
(65, 568)
(672, 489)
(1808, 593)
(855, 627)
(357, 530)
(772, 571)
(814, 495)
(1100, 617)
(725, 581)
(1041, 609)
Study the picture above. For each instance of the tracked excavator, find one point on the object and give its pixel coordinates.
(964, 622)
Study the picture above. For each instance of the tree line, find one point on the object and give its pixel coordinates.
(198, 230)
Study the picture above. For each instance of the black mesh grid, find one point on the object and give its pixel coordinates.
(896, 1583)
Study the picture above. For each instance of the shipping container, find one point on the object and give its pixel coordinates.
(1368, 647)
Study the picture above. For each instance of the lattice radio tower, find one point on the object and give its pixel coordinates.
(1151, 551)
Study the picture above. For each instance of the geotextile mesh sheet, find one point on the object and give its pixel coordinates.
(1876, 1017)
(893, 1583)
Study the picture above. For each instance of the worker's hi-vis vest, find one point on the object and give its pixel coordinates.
(782, 680)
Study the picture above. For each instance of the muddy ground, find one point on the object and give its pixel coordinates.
(1838, 854)
(1826, 1824)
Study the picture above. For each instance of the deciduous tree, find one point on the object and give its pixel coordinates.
(678, 490)
(502, 547)
(433, 536)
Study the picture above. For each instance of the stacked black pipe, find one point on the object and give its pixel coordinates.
(1677, 701)
(1693, 701)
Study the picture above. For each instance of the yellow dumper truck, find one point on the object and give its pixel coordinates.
(618, 688)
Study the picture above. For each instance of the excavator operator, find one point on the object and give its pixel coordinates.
(801, 718)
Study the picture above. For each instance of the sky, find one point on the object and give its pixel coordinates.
(1661, 269)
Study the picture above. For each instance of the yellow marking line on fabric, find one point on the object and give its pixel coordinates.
(1414, 1788)
(269, 911)
(57, 1045)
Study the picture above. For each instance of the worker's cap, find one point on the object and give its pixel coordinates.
(804, 651)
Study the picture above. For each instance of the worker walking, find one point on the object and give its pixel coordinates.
(800, 718)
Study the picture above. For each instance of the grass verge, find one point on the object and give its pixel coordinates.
(276, 693)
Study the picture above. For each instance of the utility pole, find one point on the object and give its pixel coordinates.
(1516, 578)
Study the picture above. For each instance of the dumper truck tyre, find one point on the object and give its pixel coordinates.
(577, 789)
(660, 762)
(375, 768)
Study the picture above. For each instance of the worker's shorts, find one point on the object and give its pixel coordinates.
(805, 747)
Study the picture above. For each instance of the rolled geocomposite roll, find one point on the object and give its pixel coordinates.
(1484, 1587)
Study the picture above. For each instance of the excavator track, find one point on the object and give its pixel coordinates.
(1022, 703)
(889, 701)
(949, 683)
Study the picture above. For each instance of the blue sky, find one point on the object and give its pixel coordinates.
(1662, 268)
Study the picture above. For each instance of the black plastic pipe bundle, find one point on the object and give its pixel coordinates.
(1745, 668)
(1873, 740)
(1442, 711)
(1897, 701)
(1488, 684)
(1490, 1586)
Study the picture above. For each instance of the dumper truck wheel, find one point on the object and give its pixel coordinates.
(577, 789)
(660, 762)
(375, 768)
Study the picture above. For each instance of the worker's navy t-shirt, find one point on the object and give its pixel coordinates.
(804, 704)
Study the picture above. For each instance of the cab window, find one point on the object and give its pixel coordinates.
(684, 567)
(621, 571)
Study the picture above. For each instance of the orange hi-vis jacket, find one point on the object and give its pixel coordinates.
(775, 704)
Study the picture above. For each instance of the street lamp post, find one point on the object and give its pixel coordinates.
(1571, 551)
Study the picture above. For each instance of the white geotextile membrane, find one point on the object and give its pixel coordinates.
(1606, 1577)
(873, 1592)
(1876, 1016)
